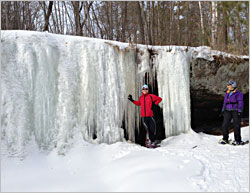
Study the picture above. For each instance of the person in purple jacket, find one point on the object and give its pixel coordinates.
(232, 108)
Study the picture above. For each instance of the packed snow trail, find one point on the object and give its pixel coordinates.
(188, 162)
(223, 167)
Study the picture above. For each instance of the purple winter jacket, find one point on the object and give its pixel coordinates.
(234, 102)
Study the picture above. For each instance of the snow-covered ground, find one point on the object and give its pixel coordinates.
(187, 162)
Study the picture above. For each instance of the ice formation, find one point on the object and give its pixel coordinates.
(173, 85)
(56, 87)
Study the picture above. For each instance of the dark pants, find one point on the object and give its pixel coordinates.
(228, 115)
(150, 126)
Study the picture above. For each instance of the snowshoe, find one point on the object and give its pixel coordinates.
(155, 144)
(236, 143)
(152, 145)
(224, 142)
(149, 144)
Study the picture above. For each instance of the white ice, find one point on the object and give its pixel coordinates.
(55, 87)
(173, 84)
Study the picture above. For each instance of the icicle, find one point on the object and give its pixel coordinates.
(56, 87)
(173, 86)
(61, 85)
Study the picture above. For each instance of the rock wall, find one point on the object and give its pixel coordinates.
(208, 81)
(211, 77)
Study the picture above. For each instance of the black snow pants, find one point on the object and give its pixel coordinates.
(228, 115)
(150, 126)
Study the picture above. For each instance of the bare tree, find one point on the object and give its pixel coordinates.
(148, 21)
(214, 23)
(142, 34)
(202, 23)
(47, 15)
(77, 11)
(222, 25)
(97, 21)
(125, 20)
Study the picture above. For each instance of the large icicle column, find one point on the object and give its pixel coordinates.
(57, 87)
(172, 67)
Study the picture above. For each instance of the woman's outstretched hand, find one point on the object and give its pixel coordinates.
(130, 98)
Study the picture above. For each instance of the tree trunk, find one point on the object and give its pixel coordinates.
(24, 18)
(97, 22)
(47, 15)
(16, 26)
(125, 20)
(178, 24)
(60, 18)
(214, 23)
(152, 27)
(77, 18)
(111, 20)
(187, 15)
(56, 20)
(202, 25)
(170, 23)
(148, 19)
(225, 30)
(71, 22)
(158, 24)
(117, 25)
(7, 15)
(142, 34)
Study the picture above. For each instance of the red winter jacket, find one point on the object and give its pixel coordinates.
(145, 102)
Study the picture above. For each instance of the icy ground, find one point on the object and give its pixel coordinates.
(187, 162)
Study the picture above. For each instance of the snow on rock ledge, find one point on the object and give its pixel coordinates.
(211, 70)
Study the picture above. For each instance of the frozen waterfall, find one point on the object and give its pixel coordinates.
(56, 87)
(173, 84)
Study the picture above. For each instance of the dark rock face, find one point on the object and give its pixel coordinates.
(212, 76)
(208, 81)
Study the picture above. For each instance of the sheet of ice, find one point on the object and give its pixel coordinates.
(173, 86)
(188, 162)
(56, 87)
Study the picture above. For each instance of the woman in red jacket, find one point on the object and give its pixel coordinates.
(145, 101)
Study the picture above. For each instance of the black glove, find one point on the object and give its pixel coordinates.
(130, 98)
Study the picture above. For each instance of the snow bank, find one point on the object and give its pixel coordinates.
(188, 162)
